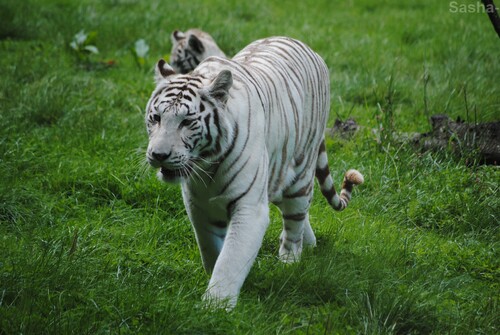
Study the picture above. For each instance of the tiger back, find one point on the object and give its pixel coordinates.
(238, 134)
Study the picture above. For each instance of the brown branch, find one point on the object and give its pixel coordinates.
(491, 9)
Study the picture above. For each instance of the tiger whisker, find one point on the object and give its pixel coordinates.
(197, 167)
(139, 162)
(192, 168)
(195, 163)
(204, 160)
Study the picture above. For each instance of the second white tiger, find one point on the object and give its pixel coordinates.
(190, 48)
(240, 133)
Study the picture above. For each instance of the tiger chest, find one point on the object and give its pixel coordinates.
(207, 205)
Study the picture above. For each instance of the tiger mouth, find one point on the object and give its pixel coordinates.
(174, 174)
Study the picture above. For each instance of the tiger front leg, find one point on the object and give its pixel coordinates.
(242, 243)
(210, 233)
(210, 239)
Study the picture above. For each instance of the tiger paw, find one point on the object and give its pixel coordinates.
(290, 253)
(214, 300)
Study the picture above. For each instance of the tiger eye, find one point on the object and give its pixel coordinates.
(186, 123)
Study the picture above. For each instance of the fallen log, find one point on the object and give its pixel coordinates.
(344, 129)
(462, 138)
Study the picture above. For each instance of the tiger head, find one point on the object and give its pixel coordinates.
(190, 48)
(186, 123)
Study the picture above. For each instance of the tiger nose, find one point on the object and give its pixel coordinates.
(160, 156)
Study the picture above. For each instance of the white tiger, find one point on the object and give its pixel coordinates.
(240, 133)
(190, 48)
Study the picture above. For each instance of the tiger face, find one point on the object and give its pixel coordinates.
(186, 53)
(185, 122)
(190, 48)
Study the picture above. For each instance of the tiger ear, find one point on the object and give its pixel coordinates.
(219, 88)
(195, 43)
(163, 70)
(177, 35)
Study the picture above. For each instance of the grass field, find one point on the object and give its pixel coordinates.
(92, 243)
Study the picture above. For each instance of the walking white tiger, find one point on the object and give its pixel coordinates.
(190, 48)
(240, 133)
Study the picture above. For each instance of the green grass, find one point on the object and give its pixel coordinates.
(92, 243)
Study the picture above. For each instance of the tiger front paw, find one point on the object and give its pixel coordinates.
(215, 299)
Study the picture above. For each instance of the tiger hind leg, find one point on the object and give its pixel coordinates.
(297, 232)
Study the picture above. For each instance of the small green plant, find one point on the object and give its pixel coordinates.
(83, 45)
(140, 51)
(385, 115)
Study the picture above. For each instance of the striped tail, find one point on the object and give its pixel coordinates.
(351, 178)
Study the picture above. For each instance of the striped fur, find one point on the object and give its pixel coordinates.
(238, 134)
(190, 48)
